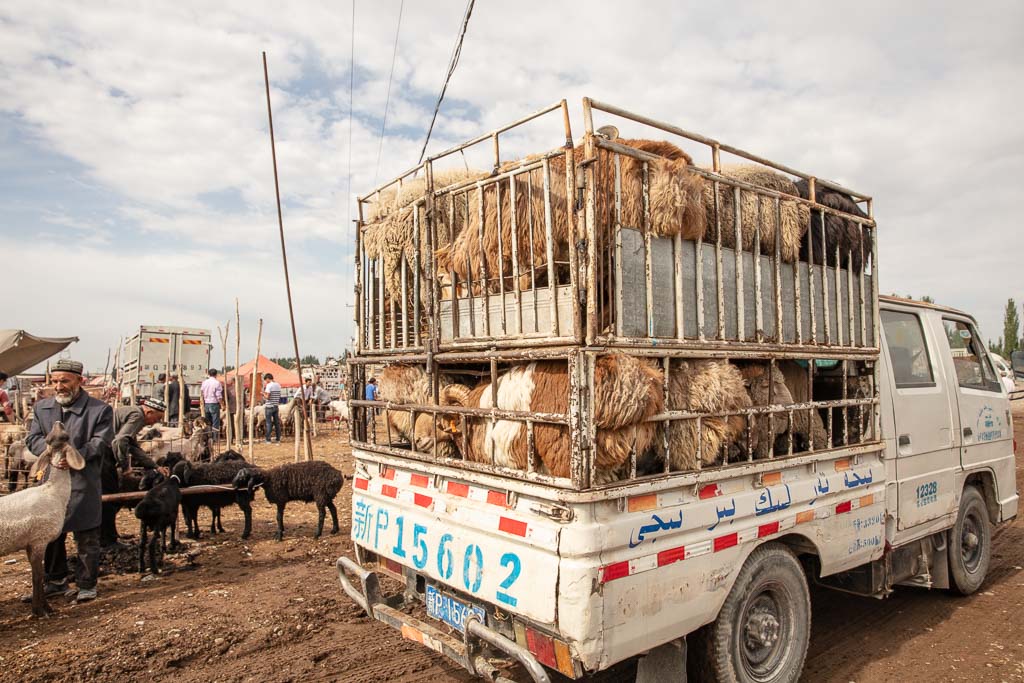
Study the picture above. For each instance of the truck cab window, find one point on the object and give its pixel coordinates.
(911, 365)
(971, 362)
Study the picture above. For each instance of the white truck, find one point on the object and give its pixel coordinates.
(885, 459)
(153, 348)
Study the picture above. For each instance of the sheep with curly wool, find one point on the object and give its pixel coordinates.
(31, 518)
(313, 481)
(212, 474)
(710, 387)
(772, 388)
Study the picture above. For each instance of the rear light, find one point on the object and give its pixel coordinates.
(549, 651)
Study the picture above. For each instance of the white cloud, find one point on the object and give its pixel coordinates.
(163, 107)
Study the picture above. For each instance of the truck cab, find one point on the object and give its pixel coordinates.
(948, 435)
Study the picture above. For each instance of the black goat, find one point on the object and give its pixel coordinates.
(157, 511)
(310, 482)
(213, 474)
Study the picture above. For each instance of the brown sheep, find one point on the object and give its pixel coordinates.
(795, 216)
(705, 386)
(807, 424)
(675, 204)
(628, 391)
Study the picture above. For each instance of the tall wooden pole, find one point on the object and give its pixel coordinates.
(252, 390)
(284, 254)
(167, 375)
(224, 346)
(239, 388)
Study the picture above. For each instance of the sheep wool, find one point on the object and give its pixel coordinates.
(757, 212)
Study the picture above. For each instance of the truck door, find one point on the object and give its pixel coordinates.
(927, 447)
(984, 415)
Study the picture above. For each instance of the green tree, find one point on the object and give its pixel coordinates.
(310, 360)
(286, 363)
(1011, 329)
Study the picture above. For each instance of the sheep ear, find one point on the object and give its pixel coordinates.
(74, 458)
(39, 466)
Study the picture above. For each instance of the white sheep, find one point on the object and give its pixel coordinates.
(340, 408)
(30, 519)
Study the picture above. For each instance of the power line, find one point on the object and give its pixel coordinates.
(387, 99)
(452, 63)
(351, 88)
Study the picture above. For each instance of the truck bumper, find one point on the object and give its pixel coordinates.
(467, 652)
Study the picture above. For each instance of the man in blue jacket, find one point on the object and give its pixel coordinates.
(90, 423)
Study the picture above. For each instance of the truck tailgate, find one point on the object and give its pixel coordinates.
(460, 534)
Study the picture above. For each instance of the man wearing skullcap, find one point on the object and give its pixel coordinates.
(128, 422)
(89, 423)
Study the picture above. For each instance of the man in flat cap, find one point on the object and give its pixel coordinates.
(128, 422)
(89, 422)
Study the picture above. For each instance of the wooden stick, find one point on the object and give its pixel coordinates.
(239, 389)
(167, 375)
(252, 390)
(224, 348)
(181, 397)
(284, 253)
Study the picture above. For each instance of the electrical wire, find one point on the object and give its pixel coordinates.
(351, 88)
(452, 63)
(387, 98)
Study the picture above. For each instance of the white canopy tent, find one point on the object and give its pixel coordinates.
(20, 350)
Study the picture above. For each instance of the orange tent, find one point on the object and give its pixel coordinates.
(286, 378)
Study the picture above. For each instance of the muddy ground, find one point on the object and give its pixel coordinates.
(261, 610)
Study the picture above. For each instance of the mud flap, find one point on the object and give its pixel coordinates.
(664, 663)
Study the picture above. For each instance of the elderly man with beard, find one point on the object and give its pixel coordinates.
(90, 424)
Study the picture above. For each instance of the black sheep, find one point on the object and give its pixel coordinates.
(310, 482)
(230, 455)
(839, 232)
(213, 474)
(157, 511)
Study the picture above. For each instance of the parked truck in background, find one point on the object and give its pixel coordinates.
(704, 568)
(154, 348)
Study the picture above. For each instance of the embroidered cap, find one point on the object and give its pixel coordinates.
(65, 365)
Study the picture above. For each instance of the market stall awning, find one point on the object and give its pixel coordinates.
(20, 350)
(286, 378)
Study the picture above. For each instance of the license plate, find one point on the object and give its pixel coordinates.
(449, 610)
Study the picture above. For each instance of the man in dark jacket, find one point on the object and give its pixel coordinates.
(173, 399)
(90, 424)
(128, 422)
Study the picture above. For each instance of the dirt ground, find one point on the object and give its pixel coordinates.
(260, 610)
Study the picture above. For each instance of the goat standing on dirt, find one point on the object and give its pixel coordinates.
(33, 518)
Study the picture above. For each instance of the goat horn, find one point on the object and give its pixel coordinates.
(454, 395)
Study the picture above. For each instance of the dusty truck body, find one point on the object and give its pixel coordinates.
(154, 347)
(628, 402)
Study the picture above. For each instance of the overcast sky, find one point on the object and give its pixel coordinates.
(136, 183)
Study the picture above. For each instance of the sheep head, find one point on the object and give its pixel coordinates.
(447, 423)
(248, 478)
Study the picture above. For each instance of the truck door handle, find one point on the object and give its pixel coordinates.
(967, 431)
(903, 440)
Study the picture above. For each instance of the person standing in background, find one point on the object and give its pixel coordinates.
(213, 400)
(272, 406)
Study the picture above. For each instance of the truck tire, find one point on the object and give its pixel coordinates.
(970, 543)
(762, 631)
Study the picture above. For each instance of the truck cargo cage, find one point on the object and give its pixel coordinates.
(609, 256)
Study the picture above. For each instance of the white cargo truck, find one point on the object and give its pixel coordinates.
(512, 504)
(148, 352)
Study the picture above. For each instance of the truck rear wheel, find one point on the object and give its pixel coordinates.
(762, 631)
(970, 543)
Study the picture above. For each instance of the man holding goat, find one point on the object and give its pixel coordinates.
(90, 424)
